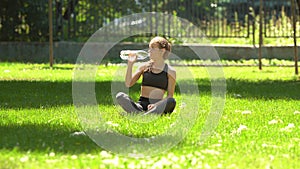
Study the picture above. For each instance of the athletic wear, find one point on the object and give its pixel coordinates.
(158, 80)
(144, 102)
(162, 106)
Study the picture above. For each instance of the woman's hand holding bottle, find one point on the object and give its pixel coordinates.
(132, 57)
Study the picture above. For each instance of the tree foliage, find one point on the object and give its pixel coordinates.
(27, 20)
(23, 20)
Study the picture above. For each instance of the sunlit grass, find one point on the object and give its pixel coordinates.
(259, 127)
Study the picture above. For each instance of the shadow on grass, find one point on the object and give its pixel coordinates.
(45, 138)
(32, 137)
(267, 89)
(36, 94)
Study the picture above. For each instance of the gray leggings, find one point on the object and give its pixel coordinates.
(162, 106)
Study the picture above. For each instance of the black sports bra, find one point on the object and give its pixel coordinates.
(158, 80)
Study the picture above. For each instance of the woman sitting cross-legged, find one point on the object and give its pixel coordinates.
(157, 79)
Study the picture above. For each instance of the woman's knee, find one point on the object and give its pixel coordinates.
(171, 101)
(120, 95)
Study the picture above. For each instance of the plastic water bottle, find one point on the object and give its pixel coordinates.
(141, 54)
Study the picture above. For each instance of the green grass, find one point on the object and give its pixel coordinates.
(259, 127)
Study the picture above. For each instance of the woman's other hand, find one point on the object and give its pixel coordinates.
(151, 106)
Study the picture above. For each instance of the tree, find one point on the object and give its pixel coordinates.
(23, 20)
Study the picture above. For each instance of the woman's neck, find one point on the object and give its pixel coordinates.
(159, 64)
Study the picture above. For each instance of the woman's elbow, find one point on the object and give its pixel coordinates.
(128, 84)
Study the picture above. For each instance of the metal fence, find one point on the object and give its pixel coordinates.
(78, 19)
(216, 18)
(278, 21)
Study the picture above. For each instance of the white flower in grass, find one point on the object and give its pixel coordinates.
(24, 159)
(285, 155)
(173, 157)
(52, 154)
(275, 121)
(288, 128)
(242, 127)
(271, 157)
(183, 105)
(217, 145)
(246, 112)
(176, 166)
(143, 163)
(268, 166)
(207, 166)
(296, 139)
(291, 125)
(78, 133)
(74, 157)
(239, 130)
(220, 166)
(212, 152)
(232, 166)
(11, 159)
(162, 163)
(110, 123)
(105, 154)
(296, 112)
(91, 156)
(264, 145)
(182, 158)
(114, 161)
(236, 95)
(132, 165)
(195, 161)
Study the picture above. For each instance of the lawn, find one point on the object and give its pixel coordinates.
(259, 126)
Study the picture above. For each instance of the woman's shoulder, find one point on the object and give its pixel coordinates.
(171, 71)
(170, 68)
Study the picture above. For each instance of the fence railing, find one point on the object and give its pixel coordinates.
(278, 21)
(77, 20)
(215, 18)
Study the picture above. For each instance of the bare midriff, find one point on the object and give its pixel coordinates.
(152, 92)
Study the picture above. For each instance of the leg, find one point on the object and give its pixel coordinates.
(127, 103)
(163, 106)
(171, 103)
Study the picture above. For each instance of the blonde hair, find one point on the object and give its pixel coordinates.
(162, 44)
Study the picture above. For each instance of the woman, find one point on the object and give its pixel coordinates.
(158, 78)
